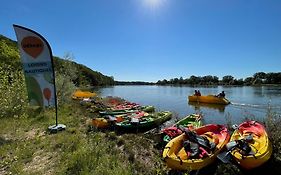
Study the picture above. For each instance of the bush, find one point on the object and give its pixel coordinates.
(13, 93)
(65, 75)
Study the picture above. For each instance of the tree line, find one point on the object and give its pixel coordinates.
(258, 78)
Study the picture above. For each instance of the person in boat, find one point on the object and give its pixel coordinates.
(197, 93)
(221, 95)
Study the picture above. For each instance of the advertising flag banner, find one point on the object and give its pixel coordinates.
(37, 60)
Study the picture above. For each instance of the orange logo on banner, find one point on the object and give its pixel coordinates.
(33, 46)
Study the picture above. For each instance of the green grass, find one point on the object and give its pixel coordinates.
(26, 147)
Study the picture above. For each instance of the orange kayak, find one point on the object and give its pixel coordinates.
(260, 148)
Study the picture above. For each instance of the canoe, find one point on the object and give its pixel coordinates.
(148, 108)
(117, 112)
(79, 95)
(106, 121)
(143, 123)
(112, 111)
(125, 106)
(100, 123)
(261, 148)
(208, 99)
(177, 156)
(191, 121)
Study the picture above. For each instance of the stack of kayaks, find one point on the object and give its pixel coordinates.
(253, 147)
(191, 121)
(145, 122)
(196, 149)
(208, 99)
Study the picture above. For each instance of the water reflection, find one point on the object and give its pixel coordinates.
(197, 106)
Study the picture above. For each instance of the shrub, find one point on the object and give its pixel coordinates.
(13, 93)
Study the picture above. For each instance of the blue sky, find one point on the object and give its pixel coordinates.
(149, 40)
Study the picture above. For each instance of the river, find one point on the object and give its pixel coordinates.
(246, 102)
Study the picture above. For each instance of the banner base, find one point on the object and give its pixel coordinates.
(56, 128)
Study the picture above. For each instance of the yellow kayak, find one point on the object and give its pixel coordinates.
(261, 148)
(176, 154)
(100, 123)
(83, 94)
(208, 99)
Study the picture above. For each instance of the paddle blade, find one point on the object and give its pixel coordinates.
(225, 157)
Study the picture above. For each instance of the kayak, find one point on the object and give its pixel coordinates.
(191, 121)
(100, 123)
(145, 122)
(259, 144)
(208, 99)
(117, 112)
(120, 111)
(79, 95)
(110, 120)
(196, 149)
(125, 106)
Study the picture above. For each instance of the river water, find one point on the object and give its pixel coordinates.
(246, 102)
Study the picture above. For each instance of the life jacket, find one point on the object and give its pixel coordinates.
(172, 132)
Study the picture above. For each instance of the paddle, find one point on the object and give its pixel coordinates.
(226, 156)
(202, 141)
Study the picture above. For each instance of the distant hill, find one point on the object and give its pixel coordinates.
(9, 55)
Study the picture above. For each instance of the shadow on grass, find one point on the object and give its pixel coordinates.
(4, 141)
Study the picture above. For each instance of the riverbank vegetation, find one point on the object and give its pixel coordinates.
(259, 78)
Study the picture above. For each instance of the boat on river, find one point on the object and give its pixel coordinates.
(208, 99)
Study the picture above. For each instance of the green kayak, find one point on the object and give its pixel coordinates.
(144, 123)
(191, 122)
(127, 111)
(117, 112)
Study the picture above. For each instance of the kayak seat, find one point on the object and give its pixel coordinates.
(201, 140)
(212, 137)
(194, 150)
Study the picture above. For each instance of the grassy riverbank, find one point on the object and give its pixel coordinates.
(27, 148)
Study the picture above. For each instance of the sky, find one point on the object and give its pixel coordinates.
(151, 40)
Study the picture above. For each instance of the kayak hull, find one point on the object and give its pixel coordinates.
(100, 123)
(190, 121)
(127, 111)
(176, 158)
(208, 99)
(79, 95)
(145, 123)
(260, 145)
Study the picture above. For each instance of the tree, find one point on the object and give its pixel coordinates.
(227, 80)
(259, 77)
(248, 81)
